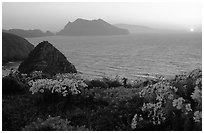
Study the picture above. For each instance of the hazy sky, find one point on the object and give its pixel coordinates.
(54, 16)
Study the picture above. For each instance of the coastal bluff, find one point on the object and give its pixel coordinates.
(14, 48)
(46, 58)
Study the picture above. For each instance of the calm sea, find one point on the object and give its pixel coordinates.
(130, 55)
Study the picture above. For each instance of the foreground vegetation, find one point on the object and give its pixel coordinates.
(69, 102)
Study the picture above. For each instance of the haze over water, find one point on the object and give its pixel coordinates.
(54, 15)
(130, 55)
(126, 55)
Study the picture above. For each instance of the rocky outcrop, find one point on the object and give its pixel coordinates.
(82, 27)
(46, 58)
(29, 33)
(14, 48)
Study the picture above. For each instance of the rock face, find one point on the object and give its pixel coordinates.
(14, 48)
(46, 58)
(29, 33)
(82, 27)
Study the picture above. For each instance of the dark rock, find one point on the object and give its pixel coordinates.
(14, 48)
(46, 58)
(82, 27)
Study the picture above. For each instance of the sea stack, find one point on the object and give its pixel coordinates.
(46, 58)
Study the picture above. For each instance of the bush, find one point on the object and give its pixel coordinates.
(115, 117)
(11, 86)
(112, 82)
(17, 111)
(186, 82)
(96, 83)
(174, 105)
(113, 95)
(53, 124)
(149, 105)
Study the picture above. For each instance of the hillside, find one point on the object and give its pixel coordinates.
(14, 47)
(82, 27)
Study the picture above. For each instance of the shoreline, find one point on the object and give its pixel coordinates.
(15, 64)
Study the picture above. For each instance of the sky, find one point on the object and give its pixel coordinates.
(54, 16)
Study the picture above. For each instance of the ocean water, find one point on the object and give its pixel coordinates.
(130, 55)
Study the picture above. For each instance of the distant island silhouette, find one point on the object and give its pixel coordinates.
(139, 29)
(82, 27)
(29, 33)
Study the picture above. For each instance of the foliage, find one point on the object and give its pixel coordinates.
(186, 82)
(60, 85)
(11, 85)
(116, 81)
(17, 111)
(96, 83)
(169, 102)
(112, 95)
(104, 104)
(52, 124)
(115, 117)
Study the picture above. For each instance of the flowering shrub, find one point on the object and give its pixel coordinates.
(178, 103)
(161, 91)
(107, 104)
(64, 86)
(155, 112)
(164, 102)
(181, 105)
(197, 97)
(135, 120)
(36, 74)
(186, 83)
(197, 116)
(197, 93)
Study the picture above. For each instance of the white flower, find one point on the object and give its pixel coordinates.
(197, 116)
(178, 103)
(60, 85)
(197, 94)
(134, 122)
(188, 107)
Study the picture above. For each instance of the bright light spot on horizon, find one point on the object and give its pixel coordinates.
(191, 30)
